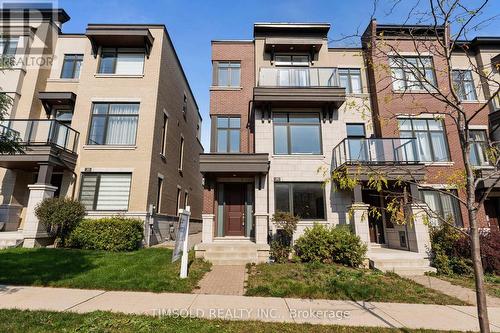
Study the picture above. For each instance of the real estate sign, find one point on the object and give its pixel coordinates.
(181, 241)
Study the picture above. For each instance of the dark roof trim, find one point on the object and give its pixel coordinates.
(114, 35)
(234, 163)
(54, 15)
(231, 41)
(51, 98)
(480, 41)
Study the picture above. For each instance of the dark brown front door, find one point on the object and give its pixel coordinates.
(234, 209)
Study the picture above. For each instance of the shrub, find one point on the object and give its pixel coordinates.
(60, 216)
(281, 247)
(110, 234)
(327, 245)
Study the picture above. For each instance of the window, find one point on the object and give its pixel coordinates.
(159, 194)
(431, 138)
(464, 85)
(478, 149)
(356, 142)
(186, 198)
(71, 66)
(105, 191)
(297, 133)
(350, 79)
(412, 73)
(122, 61)
(114, 124)
(228, 134)
(164, 135)
(184, 106)
(291, 60)
(181, 154)
(227, 73)
(442, 205)
(305, 200)
(178, 201)
(8, 47)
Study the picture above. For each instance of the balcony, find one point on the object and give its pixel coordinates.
(43, 141)
(397, 157)
(299, 84)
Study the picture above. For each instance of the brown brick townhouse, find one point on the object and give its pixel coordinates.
(285, 105)
(106, 117)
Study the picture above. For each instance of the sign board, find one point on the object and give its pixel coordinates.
(181, 241)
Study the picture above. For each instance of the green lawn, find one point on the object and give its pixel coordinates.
(338, 282)
(17, 321)
(492, 282)
(145, 270)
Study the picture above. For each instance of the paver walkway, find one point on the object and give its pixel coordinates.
(346, 313)
(462, 293)
(223, 280)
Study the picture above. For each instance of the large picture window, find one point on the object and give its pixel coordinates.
(228, 134)
(464, 85)
(297, 133)
(114, 124)
(412, 73)
(105, 191)
(431, 138)
(122, 61)
(227, 73)
(442, 206)
(306, 200)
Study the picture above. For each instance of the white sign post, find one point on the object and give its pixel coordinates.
(181, 241)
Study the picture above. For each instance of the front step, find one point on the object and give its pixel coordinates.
(399, 262)
(232, 253)
(10, 239)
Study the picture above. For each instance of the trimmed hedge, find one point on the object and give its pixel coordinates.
(109, 234)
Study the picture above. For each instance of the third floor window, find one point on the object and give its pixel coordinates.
(464, 85)
(412, 73)
(479, 148)
(350, 79)
(227, 73)
(291, 60)
(297, 133)
(228, 134)
(114, 124)
(8, 47)
(71, 66)
(122, 61)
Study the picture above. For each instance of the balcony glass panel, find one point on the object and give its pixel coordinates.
(298, 77)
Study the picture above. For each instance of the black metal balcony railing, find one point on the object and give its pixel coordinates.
(376, 151)
(298, 77)
(42, 132)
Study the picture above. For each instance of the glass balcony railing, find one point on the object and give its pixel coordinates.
(376, 151)
(41, 132)
(298, 77)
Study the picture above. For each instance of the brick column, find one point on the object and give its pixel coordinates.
(418, 231)
(359, 221)
(207, 235)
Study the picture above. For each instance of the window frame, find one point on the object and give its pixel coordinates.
(7, 41)
(178, 201)
(164, 135)
(227, 64)
(288, 124)
(97, 187)
(184, 106)
(181, 154)
(420, 66)
(429, 137)
(106, 123)
(460, 85)
(484, 144)
(159, 194)
(116, 51)
(228, 131)
(75, 58)
(291, 63)
(349, 79)
(456, 206)
(290, 199)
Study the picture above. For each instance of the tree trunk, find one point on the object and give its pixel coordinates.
(482, 309)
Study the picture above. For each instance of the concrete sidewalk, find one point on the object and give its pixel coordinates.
(440, 317)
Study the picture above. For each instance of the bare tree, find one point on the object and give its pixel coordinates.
(439, 32)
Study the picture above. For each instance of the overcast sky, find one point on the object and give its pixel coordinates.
(192, 24)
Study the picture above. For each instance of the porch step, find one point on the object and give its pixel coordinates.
(10, 239)
(399, 261)
(230, 253)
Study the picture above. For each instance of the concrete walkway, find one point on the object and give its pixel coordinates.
(346, 313)
(462, 293)
(223, 280)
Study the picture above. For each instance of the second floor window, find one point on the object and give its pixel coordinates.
(71, 66)
(478, 149)
(431, 138)
(8, 47)
(350, 79)
(122, 61)
(412, 73)
(227, 73)
(464, 85)
(114, 124)
(291, 60)
(297, 133)
(228, 134)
